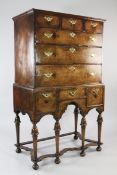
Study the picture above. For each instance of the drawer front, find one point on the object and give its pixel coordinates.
(45, 20)
(72, 24)
(67, 75)
(49, 54)
(95, 96)
(68, 37)
(46, 101)
(94, 26)
(72, 93)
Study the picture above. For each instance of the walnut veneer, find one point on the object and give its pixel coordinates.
(58, 62)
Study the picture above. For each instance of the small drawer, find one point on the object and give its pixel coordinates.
(46, 101)
(53, 36)
(72, 24)
(47, 20)
(94, 26)
(50, 75)
(72, 93)
(95, 95)
(50, 54)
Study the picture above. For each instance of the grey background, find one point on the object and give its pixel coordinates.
(94, 162)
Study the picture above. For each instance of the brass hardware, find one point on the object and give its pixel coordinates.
(92, 38)
(72, 68)
(72, 49)
(94, 24)
(92, 74)
(48, 35)
(48, 53)
(72, 34)
(46, 95)
(92, 55)
(48, 18)
(48, 75)
(95, 92)
(72, 92)
(72, 21)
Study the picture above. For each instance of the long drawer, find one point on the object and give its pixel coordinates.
(61, 75)
(52, 54)
(47, 35)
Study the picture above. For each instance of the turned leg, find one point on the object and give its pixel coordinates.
(76, 122)
(57, 133)
(99, 121)
(83, 128)
(34, 151)
(17, 124)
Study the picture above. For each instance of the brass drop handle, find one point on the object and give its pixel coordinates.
(46, 95)
(94, 25)
(95, 92)
(48, 75)
(92, 38)
(72, 92)
(72, 34)
(48, 18)
(72, 49)
(48, 35)
(72, 21)
(72, 68)
(48, 53)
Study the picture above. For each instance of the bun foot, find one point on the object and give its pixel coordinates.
(57, 161)
(99, 148)
(76, 137)
(35, 166)
(82, 154)
(18, 150)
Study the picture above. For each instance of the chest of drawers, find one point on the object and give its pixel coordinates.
(58, 62)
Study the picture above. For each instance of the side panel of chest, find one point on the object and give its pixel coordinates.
(24, 50)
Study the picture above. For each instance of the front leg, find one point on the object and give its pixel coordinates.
(34, 151)
(76, 111)
(83, 129)
(99, 120)
(57, 133)
(17, 124)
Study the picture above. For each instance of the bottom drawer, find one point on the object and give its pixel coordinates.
(45, 101)
(95, 95)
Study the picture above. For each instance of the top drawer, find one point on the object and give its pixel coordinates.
(93, 26)
(72, 24)
(45, 20)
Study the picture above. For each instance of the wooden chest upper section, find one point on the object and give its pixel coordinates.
(53, 49)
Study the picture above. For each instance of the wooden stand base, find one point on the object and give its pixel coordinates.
(61, 152)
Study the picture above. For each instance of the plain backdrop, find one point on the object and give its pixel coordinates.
(103, 163)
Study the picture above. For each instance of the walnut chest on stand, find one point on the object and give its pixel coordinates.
(58, 62)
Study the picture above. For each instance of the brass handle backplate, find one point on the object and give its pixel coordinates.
(72, 92)
(94, 25)
(48, 18)
(92, 55)
(48, 75)
(46, 95)
(72, 21)
(48, 35)
(72, 34)
(72, 49)
(72, 68)
(92, 38)
(92, 74)
(48, 53)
